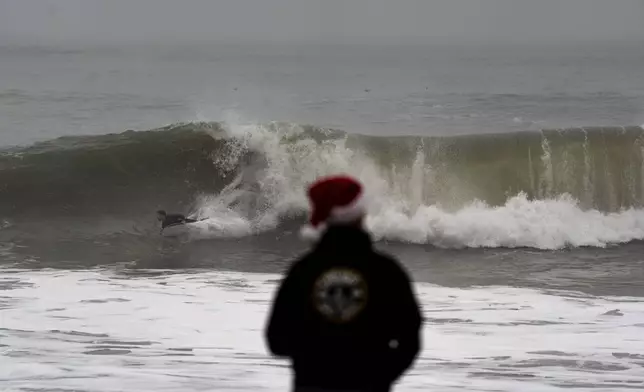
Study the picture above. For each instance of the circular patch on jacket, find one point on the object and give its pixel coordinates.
(340, 294)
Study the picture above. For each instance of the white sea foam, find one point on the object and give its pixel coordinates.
(94, 331)
(400, 204)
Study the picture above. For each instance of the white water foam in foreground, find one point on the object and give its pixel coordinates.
(96, 331)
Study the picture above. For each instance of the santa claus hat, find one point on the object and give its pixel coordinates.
(334, 200)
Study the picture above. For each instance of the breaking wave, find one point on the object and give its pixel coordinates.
(548, 189)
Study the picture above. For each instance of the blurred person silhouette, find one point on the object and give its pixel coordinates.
(345, 314)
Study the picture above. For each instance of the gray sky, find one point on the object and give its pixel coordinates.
(326, 20)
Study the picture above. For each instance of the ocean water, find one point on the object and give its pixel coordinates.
(508, 179)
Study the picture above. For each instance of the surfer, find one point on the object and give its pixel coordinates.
(172, 219)
(345, 315)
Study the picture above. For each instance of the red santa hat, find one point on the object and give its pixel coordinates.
(334, 200)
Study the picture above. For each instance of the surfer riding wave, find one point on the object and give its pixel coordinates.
(172, 219)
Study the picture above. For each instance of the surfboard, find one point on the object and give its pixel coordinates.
(180, 229)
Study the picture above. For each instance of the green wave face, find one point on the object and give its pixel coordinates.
(177, 164)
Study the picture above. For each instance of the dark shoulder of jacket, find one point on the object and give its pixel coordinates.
(297, 265)
(402, 287)
(393, 266)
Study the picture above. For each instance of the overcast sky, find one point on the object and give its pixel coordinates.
(325, 20)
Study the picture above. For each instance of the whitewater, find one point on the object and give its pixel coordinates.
(402, 203)
(202, 330)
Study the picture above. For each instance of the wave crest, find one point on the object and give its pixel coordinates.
(547, 189)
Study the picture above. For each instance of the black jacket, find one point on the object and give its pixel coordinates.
(338, 312)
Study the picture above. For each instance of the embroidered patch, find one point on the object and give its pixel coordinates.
(340, 294)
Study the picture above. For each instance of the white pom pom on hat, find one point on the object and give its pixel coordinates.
(334, 200)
